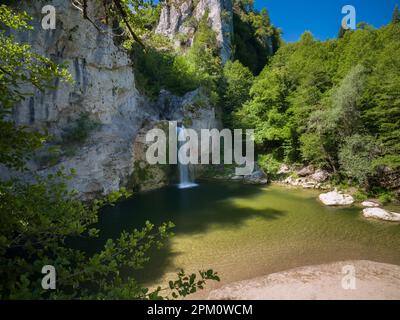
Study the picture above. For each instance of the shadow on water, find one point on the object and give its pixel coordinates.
(193, 211)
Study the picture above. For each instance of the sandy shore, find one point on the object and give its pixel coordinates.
(321, 282)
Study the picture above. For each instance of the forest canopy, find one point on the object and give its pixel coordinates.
(334, 104)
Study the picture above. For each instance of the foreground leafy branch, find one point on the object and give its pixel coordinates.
(38, 217)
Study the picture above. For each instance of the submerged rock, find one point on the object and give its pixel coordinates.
(257, 177)
(378, 213)
(335, 198)
(370, 204)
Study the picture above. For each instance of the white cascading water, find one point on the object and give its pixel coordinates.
(185, 177)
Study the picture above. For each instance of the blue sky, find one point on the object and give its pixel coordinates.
(323, 17)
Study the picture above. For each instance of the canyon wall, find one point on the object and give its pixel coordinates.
(104, 89)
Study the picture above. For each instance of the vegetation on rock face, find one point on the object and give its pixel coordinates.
(255, 40)
(18, 66)
(72, 137)
(334, 104)
(163, 67)
(36, 217)
(79, 131)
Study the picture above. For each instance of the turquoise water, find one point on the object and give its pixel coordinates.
(245, 231)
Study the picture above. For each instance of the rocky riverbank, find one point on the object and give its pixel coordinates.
(227, 173)
(306, 177)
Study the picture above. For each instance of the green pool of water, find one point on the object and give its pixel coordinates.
(247, 231)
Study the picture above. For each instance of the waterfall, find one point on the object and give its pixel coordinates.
(185, 178)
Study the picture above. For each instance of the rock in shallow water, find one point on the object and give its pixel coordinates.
(370, 204)
(335, 198)
(381, 214)
(258, 177)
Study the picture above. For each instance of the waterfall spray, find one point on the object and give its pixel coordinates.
(185, 177)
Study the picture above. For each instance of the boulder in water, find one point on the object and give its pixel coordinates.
(257, 177)
(378, 213)
(335, 198)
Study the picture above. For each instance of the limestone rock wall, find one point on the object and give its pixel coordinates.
(103, 87)
(177, 19)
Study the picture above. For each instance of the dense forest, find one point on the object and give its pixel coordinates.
(334, 104)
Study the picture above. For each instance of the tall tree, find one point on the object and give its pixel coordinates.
(342, 32)
(396, 15)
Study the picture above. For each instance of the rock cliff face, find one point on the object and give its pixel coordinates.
(104, 88)
(179, 17)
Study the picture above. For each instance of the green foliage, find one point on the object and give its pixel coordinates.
(266, 111)
(342, 32)
(141, 15)
(328, 127)
(162, 67)
(269, 164)
(360, 195)
(357, 155)
(204, 55)
(313, 150)
(255, 39)
(45, 213)
(79, 131)
(386, 197)
(331, 103)
(186, 285)
(238, 81)
(50, 156)
(68, 143)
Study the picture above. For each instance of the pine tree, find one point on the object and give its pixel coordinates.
(396, 15)
(342, 32)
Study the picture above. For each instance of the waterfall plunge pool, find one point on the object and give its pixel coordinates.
(244, 231)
